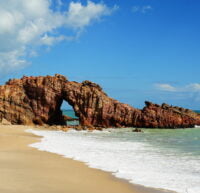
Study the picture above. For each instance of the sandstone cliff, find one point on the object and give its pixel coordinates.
(37, 100)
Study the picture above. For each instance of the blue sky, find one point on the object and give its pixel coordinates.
(136, 50)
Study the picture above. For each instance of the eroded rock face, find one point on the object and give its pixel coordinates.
(33, 100)
(37, 100)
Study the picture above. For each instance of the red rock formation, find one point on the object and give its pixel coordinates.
(33, 100)
(37, 100)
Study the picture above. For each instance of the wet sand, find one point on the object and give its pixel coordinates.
(24, 169)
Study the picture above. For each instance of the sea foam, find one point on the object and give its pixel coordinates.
(126, 156)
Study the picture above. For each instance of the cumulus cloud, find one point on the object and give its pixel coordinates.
(27, 24)
(141, 9)
(79, 16)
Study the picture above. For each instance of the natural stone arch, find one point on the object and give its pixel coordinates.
(37, 100)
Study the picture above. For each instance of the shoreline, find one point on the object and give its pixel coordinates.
(26, 169)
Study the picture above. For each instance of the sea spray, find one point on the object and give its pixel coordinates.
(167, 159)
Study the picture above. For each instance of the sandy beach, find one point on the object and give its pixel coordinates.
(26, 170)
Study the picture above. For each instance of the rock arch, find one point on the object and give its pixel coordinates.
(37, 100)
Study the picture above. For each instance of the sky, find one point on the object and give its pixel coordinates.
(136, 50)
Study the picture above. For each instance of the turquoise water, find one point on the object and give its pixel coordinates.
(167, 159)
(71, 113)
(160, 158)
(183, 140)
(197, 111)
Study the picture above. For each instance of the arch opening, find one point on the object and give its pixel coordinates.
(69, 114)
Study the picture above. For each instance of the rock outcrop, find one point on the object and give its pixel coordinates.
(37, 100)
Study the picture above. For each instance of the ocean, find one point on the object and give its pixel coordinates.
(71, 113)
(159, 158)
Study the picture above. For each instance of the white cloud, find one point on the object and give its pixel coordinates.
(26, 24)
(51, 40)
(165, 87)
(193, 87)
(188, 92)
(141, 9)
(13, 58)
(80, 16)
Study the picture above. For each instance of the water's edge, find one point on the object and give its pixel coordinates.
(50, 137)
